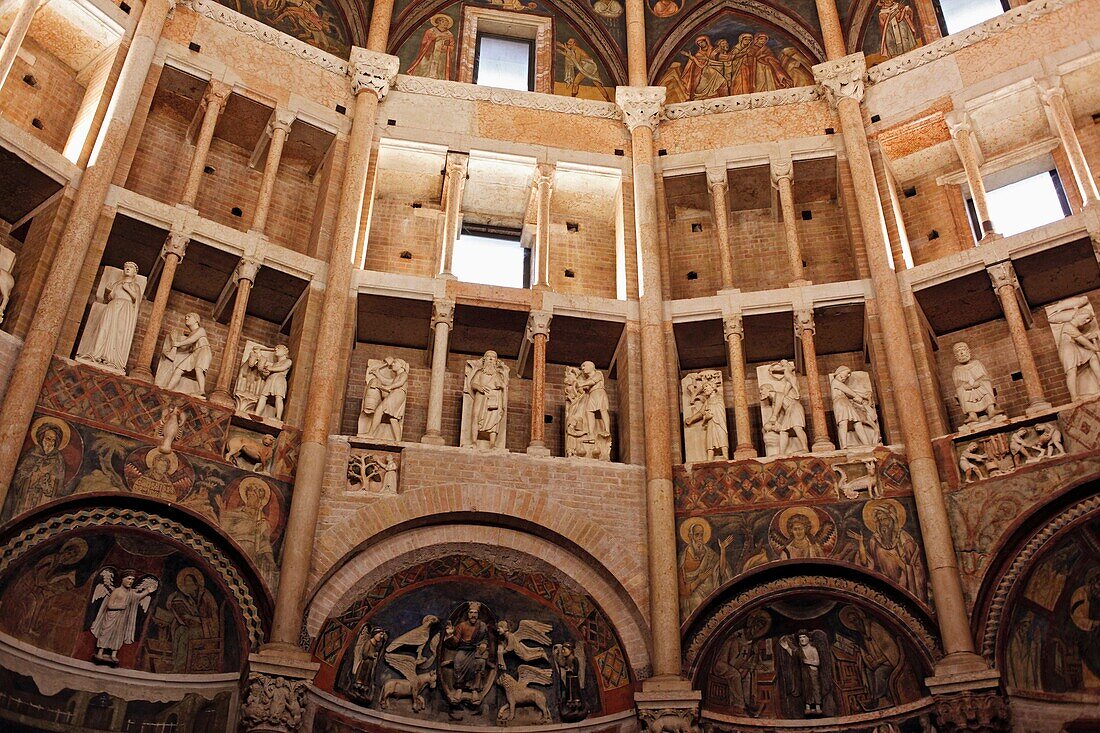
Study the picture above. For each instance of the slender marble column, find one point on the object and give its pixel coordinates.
(782, 170)
(734, 329)
(454, 184)
(538, 333)
(72, 248)
(278, 128)
(443, 318)
(1054, 98)
(842, 80)
(172, 252)
(963, 137)
(805, 328)
(544, 188)
(371, 76)
(245, 276)
(16, 34)
(719, 206)
(217, 94)
(1007, 286)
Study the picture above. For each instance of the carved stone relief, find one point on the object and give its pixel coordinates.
(185, 358)
(109, 330)
(273, 704)
(781, 411)
(702, 401)
(7, 280)
(587, 413)
(974, 391)
(374, 471)
(1073, 323)
(854, 409)
(1001, 453)
(382, 416)
(485, 403)
(262, 380)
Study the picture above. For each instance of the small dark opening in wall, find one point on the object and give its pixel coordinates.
(391, 123)
(194, 47)
(696, 227)
(1017, 376)
(805, 264)
(572, 226)
(208, 170)
(124, 7)
(910, 192)
(548, 419)
(341, 109)
(406, 255)
(830, 131)
(875, 118)
(570, 273)
(417, 205)
(807, 215)
(1096, 117)
(37, 124)
(30, 81)
(662, 151)
(236, 211)
(933, 235)
(693, 275)
(619, 152)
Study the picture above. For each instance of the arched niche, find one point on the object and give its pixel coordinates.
(528, 613)
(330, 25)
(814, 647)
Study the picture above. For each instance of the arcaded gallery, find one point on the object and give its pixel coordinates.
(610, 366)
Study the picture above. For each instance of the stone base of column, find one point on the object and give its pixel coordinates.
(538, 450)
(822, 446)
(221, 398)
(668, 705)
(141, 372)
(432, 439)
(744, 452)
(962, 673)
(1036, 408)
(275, 699)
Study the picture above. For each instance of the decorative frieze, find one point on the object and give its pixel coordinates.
(741, 102)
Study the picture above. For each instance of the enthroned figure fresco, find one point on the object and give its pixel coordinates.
(316, 22)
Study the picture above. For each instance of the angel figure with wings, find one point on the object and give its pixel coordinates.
(806, 666)
(568, 660)
(120, 609)
(514, 641)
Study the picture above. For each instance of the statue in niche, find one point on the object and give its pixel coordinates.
(109, 332)
(485, 403)
(854, 408)
(7, 280)
(781, 410)
(185, 351)
(806, 669)
(1074, 325)
(262, 380)
(587, 414)
(973, 387)
(275, 386)
(120, 603)
(706, 437)
(568, 659)
(383, 413)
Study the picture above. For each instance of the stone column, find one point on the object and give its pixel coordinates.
(734, 329)
(14, 39)
(172, 253)
(1007, 288)
(805, 329)
(72, 247)
(782, 170)
(963, 137)
(245, 275)
(842, 80)
(371, 76)
(719, 207)
(454, 184)
(544, 188)
(213, 102)
(538, 333)
(1054, 98)
(443, 318)
(278, 128)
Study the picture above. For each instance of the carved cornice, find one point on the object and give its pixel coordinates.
(219, 13)
(741, 102)
(842, 78)
(945, 46)
(527, 100)
(538, 324)
(371, 71)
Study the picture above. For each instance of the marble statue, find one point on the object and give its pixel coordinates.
(262, 380)
(587, 414)
(383, 413)
(185, 351)
(854, 408)
(485, 403)
(119, 603)
(781, 411)
(706, 436)
(7, 280)
(973, 387)
(1078, 338)
(112, 319)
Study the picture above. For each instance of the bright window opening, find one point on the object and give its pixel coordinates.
(491, 259)
(958, 15)
(1028, 203)
(506, 63)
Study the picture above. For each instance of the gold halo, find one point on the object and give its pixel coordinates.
(805, 511)
(173, 460)
(685, 529)
(870, 507)
(199, 580)
(61, 425)
(250, 481)
(447, 18)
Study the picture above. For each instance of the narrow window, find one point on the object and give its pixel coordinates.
(505, 63)
(958, 15)
(1024, 204)
(491, 257)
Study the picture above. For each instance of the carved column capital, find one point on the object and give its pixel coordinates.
(804, 321)
(176, 244)
(372, 71)
(538, 324)
(443, 311)
(842, 78)
(457, 165)
(733, 326)
(273, 704)
(216, 95)
(971, 713)
(544, 174)
(717, 175)
(958, 122)
(1050, 88)
(641, 106)
(781, 168)
(283, 119)
(1003, 275)
(247, 269)
(662, 720)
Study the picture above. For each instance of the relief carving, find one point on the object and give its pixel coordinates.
(1073, 323)
(382, 416)
(485, 403)
(706, 435)
(587, 414)
(112, 319)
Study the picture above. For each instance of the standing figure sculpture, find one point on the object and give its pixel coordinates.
(185, 352)
(973, 386)
(1075, 332)
(781, 410)
(485, 403)
(275, 386)
(119, 611)
(706, 435)
(109, 331)
(806, 665)
(383, 412)
(854, 408)
(588, 414)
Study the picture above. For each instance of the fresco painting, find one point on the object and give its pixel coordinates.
(892, 30)
(312, 21)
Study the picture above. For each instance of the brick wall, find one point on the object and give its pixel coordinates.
(54, 100)
(396, 227)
